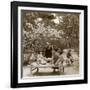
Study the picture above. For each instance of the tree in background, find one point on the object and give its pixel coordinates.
(60, 29)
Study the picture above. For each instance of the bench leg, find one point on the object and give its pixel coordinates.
(62, 69)
(59, 69)
(37, 69)
(30, 70)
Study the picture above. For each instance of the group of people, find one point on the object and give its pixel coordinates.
(53, 56)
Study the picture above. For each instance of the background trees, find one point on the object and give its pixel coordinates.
(60, 29)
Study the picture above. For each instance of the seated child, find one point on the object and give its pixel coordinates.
(41, 59)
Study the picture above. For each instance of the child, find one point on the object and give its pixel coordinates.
(40, 59)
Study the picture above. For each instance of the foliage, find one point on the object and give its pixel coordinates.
(61, 29)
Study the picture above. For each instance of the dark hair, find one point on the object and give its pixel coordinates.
(56, 49)
(61, 52)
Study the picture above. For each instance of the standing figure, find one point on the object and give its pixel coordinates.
(48, 51)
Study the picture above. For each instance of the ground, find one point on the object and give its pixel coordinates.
(72, 69)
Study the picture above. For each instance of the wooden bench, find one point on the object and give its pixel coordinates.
(33, 67)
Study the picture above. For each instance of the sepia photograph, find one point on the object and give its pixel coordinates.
(49, 44)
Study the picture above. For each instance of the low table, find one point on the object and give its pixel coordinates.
(37, 66)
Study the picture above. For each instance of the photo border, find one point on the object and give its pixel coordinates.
(14, 43)
(57, 77)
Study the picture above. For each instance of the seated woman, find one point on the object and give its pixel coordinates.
(58, 61)
(41, 59)
(48, 51)
(69, 58)
(33, 56)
